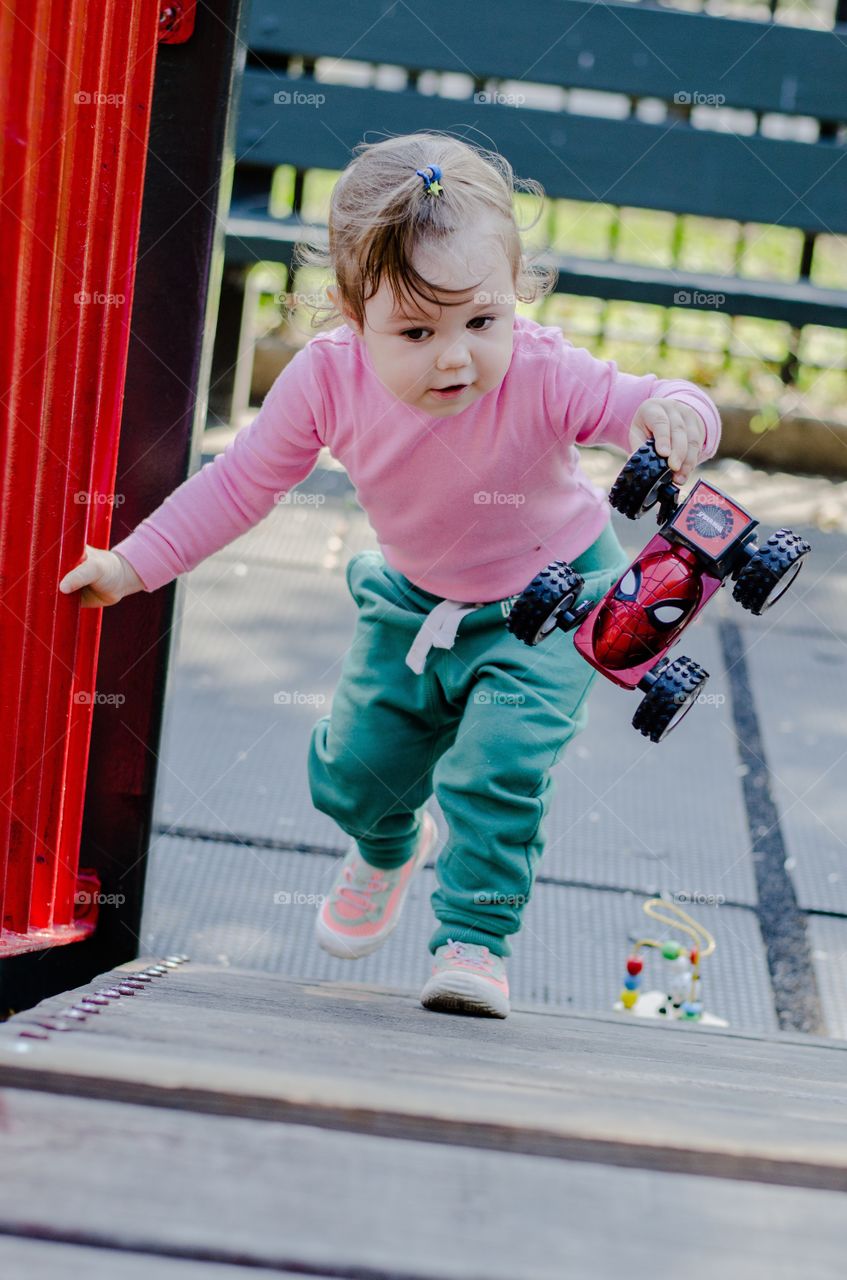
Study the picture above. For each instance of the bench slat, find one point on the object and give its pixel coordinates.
(623, 48)
(669, 166)
(252, 238)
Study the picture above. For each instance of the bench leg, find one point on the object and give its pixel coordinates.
(227, 339)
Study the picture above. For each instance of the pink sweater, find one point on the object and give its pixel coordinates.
(469, 507)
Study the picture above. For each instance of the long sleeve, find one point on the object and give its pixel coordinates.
(591, 402)
(239, 487)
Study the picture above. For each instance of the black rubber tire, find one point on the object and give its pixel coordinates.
(556, 585)
(670, 698)
(766, 569)
(641, 478)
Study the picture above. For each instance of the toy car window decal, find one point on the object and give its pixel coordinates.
(668, 613)
(630, 584)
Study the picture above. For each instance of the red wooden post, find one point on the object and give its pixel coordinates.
(75, 94)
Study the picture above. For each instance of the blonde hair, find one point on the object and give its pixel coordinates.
(380, 212)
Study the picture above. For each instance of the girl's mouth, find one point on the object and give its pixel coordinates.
(448, 392)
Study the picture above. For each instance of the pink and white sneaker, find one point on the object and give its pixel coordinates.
(364, 904)
(467, 978)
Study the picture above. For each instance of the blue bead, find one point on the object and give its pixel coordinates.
(632, 982)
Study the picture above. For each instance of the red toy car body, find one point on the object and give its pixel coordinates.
(626, 634)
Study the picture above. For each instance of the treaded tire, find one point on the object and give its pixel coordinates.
(670, 698)
(538, 603)
(760, 577)
(639, 481)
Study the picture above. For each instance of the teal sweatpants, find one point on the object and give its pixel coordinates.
(481, 727)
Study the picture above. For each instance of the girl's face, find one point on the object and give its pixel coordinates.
(417, 351)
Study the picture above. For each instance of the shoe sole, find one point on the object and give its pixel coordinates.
(462, 993)
(344, 948)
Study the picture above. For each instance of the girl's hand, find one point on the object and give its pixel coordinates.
(677, 430)
(105, 578)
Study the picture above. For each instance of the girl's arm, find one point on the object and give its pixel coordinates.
(591, 402)
(238, 488)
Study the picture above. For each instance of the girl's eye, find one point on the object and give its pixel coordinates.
(412, 334)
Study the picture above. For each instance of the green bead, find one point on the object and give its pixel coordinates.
(671, 950)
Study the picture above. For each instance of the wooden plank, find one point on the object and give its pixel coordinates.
(599, 1089)
(668, 166)
(33, 1259)
(623, 48)
(248, 1194)
(252, 239)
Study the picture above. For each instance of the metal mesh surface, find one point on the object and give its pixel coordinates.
(248, 908)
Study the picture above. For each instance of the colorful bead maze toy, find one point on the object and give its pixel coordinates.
(680, 1001)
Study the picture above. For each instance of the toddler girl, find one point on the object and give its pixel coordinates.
(457, 422)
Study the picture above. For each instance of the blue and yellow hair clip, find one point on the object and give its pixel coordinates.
(432, 185)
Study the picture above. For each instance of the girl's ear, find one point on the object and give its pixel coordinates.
(332, 294)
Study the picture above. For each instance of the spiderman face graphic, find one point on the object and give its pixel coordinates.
(649, 606)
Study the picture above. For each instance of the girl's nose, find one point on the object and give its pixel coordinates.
(455, 356)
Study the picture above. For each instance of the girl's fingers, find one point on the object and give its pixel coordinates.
(679, 439)
(83, 574)
(655, 416)
(690, 462)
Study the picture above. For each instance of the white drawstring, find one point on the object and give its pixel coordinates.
(438, 630)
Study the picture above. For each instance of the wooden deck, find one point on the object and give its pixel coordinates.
(223, 1121)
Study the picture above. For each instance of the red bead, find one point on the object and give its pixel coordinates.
(634, 965)
(694, 956)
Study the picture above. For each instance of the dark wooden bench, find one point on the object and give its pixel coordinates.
(680, 59)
